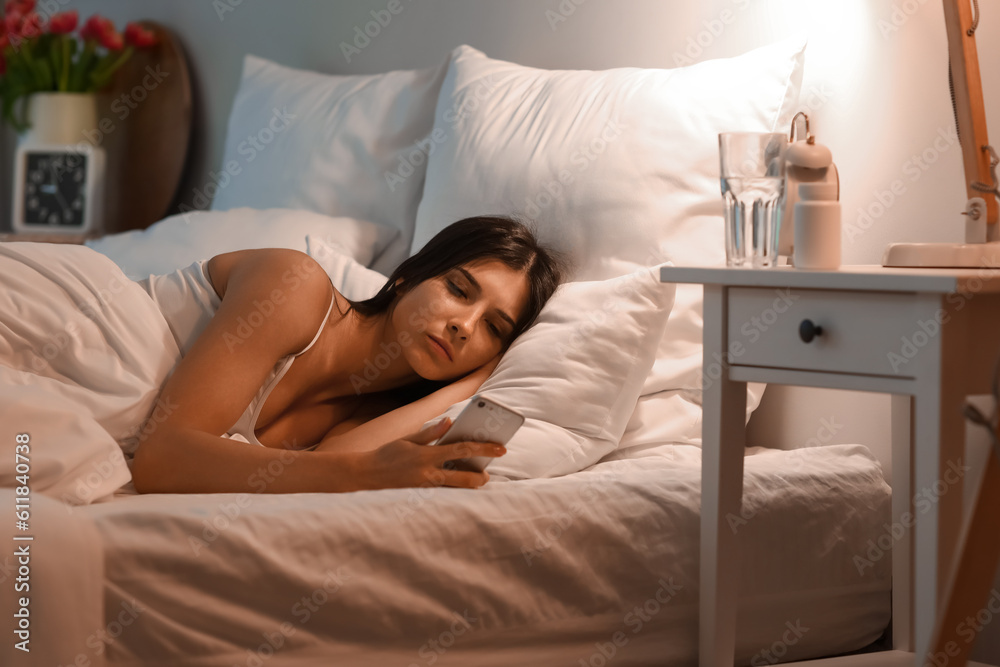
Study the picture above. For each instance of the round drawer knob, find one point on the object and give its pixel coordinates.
(808, 331)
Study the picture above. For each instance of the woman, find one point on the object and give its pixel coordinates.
(335, 390)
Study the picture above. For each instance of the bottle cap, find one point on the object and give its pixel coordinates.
(818, 191)
(809, 154)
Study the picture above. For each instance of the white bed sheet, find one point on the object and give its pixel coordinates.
(543, 572)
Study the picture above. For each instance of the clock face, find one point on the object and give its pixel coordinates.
(55, 189)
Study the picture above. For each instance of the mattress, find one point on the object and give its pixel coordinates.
(574, 570)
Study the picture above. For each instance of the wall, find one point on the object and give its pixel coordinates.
(875, 87)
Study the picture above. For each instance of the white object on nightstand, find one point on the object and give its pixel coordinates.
(920, 335)
(817, 227)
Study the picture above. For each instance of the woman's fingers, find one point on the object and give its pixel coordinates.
(430, 433)
(465, 479)
(466, 449)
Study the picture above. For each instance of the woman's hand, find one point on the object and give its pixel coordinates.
(409, 462)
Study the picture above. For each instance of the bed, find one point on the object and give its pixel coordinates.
(583, 547)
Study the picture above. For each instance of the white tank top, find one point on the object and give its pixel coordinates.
(188, 302)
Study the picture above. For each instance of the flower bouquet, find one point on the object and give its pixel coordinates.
(38, 55)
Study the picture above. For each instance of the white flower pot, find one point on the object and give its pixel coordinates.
(61, 118)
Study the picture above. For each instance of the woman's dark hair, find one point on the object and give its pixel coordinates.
(475, 239)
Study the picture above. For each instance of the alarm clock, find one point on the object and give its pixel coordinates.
(58, 188)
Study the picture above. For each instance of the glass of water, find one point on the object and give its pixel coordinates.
(752, 168)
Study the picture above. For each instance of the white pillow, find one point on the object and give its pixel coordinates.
(175, 242)
(352, 146)
(618, 168)
(576, 373)
(351, 279)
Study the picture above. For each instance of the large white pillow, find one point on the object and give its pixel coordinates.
(175, 242)
(618, 168)
(576, 373)
(352, 146)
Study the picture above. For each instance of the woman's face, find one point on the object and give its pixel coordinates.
(470, 309)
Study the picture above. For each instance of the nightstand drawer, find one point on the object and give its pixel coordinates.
(871, 333)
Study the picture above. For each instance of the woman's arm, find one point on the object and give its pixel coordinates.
(371, 434)
(212, 384)
(200, 462)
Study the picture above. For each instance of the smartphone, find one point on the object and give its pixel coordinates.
(482, 420)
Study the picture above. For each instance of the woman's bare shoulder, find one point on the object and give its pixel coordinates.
(289, 268)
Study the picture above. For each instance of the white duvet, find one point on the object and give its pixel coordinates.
(83, 354)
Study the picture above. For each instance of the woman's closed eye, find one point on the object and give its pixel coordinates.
(458, 290)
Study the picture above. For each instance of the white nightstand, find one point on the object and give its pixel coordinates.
(930, 337)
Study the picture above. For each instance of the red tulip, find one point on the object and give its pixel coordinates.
(112, 41)
(138, 36)
(32, 25)
(95, 27)
(64, 22)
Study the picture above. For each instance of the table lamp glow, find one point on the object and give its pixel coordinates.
(982, 226)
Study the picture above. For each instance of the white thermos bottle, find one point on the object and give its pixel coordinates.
(817, 227)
